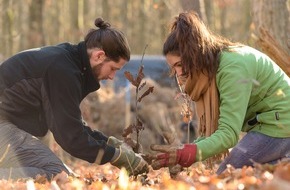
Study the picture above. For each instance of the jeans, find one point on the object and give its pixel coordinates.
(259, 148)
(25, 156)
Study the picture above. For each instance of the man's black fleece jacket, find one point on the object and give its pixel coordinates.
(41, 89)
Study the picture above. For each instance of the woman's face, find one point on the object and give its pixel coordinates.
(174, 62)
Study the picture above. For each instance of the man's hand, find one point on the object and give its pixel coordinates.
(114, 142)
(132, 162)
(183, 155)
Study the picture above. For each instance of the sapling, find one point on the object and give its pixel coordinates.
(139, 84)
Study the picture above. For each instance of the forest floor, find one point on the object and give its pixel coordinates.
(107, 177)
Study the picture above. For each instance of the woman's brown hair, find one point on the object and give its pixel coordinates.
(197, 46)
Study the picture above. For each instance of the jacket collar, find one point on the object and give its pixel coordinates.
(90, 83)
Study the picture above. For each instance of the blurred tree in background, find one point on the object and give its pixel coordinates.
(274, 17)
(33, 23)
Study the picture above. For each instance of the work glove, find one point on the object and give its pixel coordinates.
(171, 138)
(184, 155)
(114, 142)
(132, 162)
(173, 141)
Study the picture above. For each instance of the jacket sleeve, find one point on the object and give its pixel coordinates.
(235, 87)
(62, 94)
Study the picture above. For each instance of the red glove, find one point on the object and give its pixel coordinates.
(184, 155)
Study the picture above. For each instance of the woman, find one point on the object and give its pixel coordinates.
(236, 88)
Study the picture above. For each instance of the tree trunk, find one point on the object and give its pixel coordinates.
(74, 22)
(163, 11)
(106, 10)
(7, 28)
(223, 16)
(36, 36)
(208, 10)
(53, 33)
(274, 17)
(124, 17)
(191, 5)
(142, 26)
(274, 50)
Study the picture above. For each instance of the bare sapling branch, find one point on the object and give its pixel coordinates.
(138, 125)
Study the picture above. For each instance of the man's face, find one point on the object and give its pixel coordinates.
(104, 68)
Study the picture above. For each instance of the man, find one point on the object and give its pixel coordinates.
(41, 89)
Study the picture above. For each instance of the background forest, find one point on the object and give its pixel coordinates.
(28, 24)
(32, 23)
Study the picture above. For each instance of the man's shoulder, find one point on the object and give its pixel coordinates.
(60, 49)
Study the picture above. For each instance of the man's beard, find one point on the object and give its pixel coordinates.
(97, 71)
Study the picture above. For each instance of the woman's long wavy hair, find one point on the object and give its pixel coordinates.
(197, 46)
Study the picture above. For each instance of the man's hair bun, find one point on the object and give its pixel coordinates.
(100, 23)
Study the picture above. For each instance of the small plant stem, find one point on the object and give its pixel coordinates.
(136, 115)
(137, 140)
(136, 105)
(188, 132)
